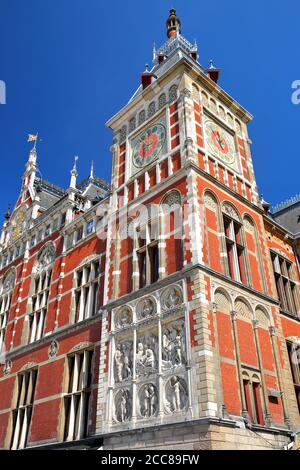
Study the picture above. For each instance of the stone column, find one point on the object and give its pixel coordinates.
(260, 365)
(273, 335)
(237, 355)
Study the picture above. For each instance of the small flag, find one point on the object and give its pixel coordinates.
(32, 138)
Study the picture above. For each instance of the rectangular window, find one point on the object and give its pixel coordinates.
(79, 233)
(294, 357)
(90, 227)
(87, 291)
(76, 401)
(39, 305)
(148, 253)
(22, 413)
(235, 249)
(63, 219)
(252, 392)
(47, 230)
(286, 287)
(5, 304)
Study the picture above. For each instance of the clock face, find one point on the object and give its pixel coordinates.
(148, 145)
(220, 142)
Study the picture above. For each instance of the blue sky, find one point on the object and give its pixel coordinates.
(69, 65)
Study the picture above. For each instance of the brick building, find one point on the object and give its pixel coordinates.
(161, 311)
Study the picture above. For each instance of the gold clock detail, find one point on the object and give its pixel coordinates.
(220, 142)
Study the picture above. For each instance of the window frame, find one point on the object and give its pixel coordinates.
(77, 397)
(286, 285)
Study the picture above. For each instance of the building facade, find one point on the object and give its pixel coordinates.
(162, 311)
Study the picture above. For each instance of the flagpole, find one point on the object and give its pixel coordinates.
(37, 136)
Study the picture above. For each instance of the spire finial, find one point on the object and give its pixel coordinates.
(74, 169)
(92, 170)
(211, 64)
(154, 53)
(74, 174)
(7, 214)
(173, 24)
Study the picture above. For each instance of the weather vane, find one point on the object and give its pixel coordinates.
(33, 138)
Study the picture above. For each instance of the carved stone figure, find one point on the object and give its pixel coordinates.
(123, 405)
(46, 257)
(123, 318)
(9, 281)
(53, 348)
(147, 308)
(148, 400)
(123, 361)
(173, 345)
(119, 364)
(146, 355)
(172, 297)
(176, 395)
(126, 361)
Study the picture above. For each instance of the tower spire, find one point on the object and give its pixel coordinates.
(92, 170)
(173, 24)
(74, 174)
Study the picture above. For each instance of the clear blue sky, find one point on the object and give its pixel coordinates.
(69, 65)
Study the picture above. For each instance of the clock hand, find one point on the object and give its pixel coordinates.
(220, 141)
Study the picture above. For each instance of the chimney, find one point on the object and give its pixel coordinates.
(213, 73)
(147, 78)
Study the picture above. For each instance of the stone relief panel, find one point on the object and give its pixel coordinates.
(123, 318)
(149, 373)
(148, 400)
(173, 345)
(146, 308)
(123, 405)
(176, 395)
(147, 354)
(123, 361)
(172, 298)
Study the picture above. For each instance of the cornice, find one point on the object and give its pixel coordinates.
(188, 66)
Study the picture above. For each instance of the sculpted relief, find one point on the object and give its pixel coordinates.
(123, 405)
(173, 345)
(146, 355)
(123, 361)
(148, 399)
(172, 298)
(150, 356)
(123, 318)
(176, 396)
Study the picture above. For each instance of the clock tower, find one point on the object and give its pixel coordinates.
(176, 279)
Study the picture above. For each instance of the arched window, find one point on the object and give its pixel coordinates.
(195, 93)
(234, 240)
(132, 124)
(5, 303)
(172, 230)
(253, 398)
(162, 101)
(222, 301)
(173, 93)
(142, 117)
(123, 133)
(151, 109)
(40, 288)
(212, 229)
(87, 280)
(147, 250)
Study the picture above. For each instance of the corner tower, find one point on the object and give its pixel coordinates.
(182, 284)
